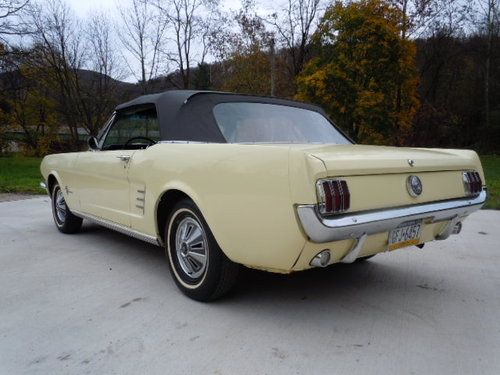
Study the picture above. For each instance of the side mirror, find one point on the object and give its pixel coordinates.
(92, 142)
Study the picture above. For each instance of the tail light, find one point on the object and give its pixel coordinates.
(472, 183)
(333, 196)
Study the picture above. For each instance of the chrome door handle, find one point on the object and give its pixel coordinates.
(124, 157)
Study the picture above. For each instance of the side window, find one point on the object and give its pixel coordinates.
(141, 124)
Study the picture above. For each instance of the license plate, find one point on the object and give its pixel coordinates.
(406, 234)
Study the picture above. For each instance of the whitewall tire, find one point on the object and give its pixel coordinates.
(198, 266)
(64, 219)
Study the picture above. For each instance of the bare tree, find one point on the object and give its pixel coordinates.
(58, 56)
(63, 48)
(190, 22)
(414, 14)
(420, 18)
(142, 30)
(103, 59)
(11, 18)
(245, 50)
(294, 26)
(213, 19)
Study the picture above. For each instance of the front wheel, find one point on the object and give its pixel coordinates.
(64, 219)
(199, 267)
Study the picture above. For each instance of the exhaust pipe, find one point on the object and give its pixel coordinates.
(457, 228)
(453, 227)
(321, 259)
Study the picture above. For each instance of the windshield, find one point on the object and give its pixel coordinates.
(272, 123)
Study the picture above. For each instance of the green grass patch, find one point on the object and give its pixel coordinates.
(491, 166)
(19, 174)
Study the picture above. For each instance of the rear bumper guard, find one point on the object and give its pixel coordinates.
(355, 225)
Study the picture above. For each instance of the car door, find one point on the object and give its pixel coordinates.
(140, 174)
(104, 187)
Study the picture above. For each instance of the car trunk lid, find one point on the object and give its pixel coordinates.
(352, 160)
(377, 175)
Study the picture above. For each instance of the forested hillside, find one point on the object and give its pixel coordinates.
(401, 72)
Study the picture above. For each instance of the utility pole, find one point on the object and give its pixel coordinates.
(273, 63)
(490, 19)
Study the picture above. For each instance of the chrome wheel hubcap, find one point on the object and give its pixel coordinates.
(60, 206)
(191, 247)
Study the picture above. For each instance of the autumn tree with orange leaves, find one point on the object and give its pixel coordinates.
(364, 75)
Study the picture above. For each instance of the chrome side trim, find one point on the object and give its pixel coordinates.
(118, 227)
(182, 142)
(349, 226)
(43, 185)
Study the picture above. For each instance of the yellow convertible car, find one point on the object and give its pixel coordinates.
(222, 180)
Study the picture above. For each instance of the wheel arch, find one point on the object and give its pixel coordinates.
(52, 180)
(168, 199)
(171, 195)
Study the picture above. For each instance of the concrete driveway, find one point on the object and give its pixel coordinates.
(101, 303)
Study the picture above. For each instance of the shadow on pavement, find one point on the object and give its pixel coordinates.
(350, 287)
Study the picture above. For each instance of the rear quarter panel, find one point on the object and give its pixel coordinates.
(243, 192)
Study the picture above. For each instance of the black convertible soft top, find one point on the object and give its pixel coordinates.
(186, 115)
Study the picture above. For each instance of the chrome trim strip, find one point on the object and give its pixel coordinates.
(349, 226)
(119, 228)
(43, 185)
(181, 142)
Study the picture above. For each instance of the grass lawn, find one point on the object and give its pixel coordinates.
(491, 166)
(20, 174)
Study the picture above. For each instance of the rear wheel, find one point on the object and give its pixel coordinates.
(64, 219)
(199, 267)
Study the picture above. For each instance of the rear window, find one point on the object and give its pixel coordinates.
(273, 123)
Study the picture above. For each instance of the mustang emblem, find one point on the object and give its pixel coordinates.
(414, 186)
(411, 162)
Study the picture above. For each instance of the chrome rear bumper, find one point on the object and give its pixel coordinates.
(355, 225)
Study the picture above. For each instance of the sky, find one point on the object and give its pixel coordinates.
(83, 8)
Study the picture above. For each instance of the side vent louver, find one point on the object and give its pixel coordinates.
(140, 200)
